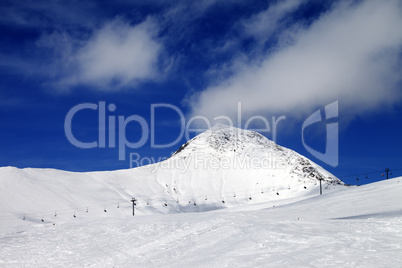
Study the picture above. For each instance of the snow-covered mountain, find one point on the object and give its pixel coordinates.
(222, 167)
(236, 148)
(276, 217)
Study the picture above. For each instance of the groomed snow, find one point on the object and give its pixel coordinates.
(354, 227)
(200, 208)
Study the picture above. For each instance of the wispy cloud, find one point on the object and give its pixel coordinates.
(75, 43)
(115, 56)
(350, 53)
(263, 25)
(43, 14)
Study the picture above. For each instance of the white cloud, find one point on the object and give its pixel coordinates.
(113, 57)
(351, 54)
(263, 25)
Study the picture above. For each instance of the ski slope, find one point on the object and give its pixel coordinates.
(228, 197)
(355, 227)
(220, 168)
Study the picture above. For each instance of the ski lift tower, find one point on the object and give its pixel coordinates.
(387, 170)
(133, 200)
(320, 178)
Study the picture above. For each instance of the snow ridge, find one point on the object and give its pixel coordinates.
(222, 167)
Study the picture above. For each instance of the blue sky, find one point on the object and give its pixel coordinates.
(277, 58)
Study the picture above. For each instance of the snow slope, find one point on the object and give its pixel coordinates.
(286, 223)
(355, 227)
(222, 167)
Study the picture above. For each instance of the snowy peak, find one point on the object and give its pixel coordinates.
(222, 139)
(227, 138)
(234, 144)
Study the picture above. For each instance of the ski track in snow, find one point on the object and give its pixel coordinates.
(285, 224)
(238, 239)
(306, 233)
